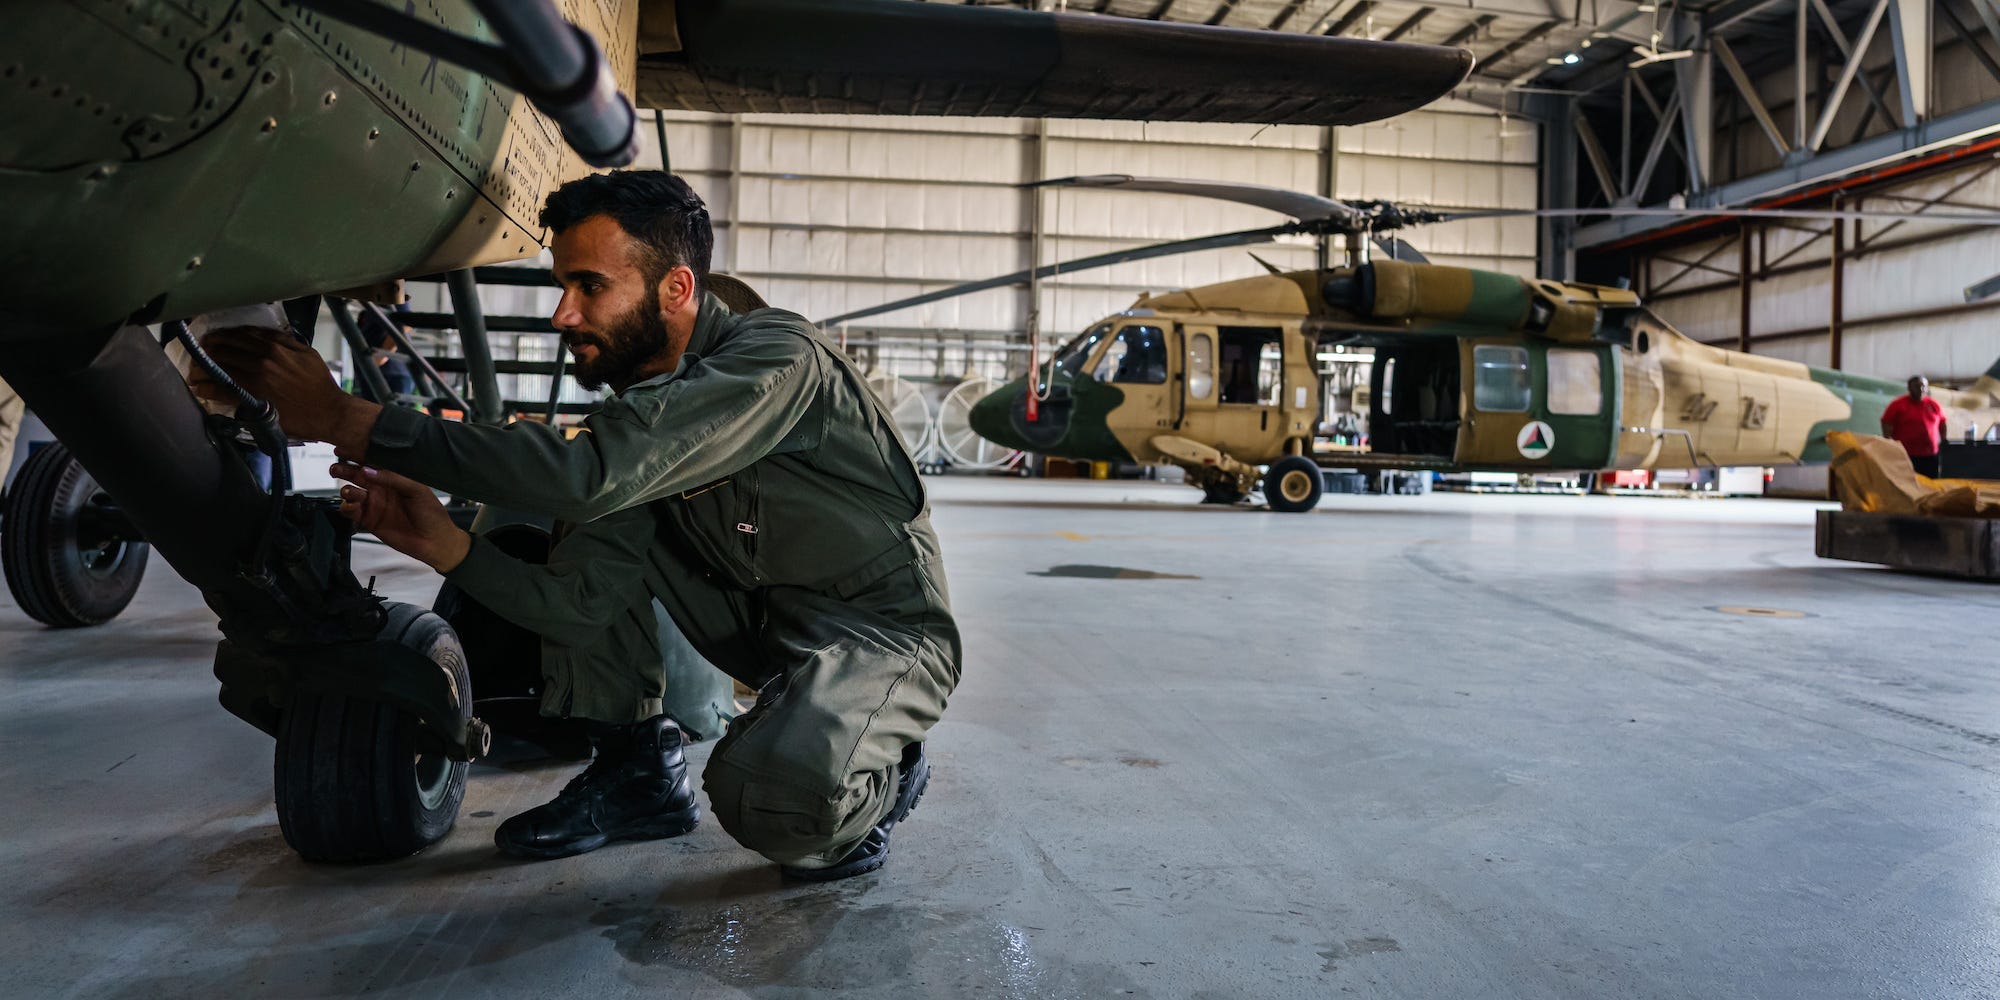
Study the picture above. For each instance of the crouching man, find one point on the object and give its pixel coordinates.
(746, 477)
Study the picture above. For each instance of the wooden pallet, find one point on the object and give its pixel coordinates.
(1965, 547)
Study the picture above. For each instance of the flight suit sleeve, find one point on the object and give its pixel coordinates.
(723, 413)
(595, 573)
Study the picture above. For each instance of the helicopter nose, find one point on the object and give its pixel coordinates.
(989, 416)
(993, 417)
(1002, 417)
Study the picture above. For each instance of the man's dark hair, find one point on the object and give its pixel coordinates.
(654, 207)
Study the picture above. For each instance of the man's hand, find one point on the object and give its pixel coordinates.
(404, 514)
(293, 378)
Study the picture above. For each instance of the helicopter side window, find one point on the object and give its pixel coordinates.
(1576, 386)
(1270, 374)
(1137, 357)
(1252, 364)
(1201, 365)
(1500, 381)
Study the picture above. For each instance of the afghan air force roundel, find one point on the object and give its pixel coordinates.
(1535, 440)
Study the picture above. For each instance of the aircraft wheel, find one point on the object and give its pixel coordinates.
(59, 545)
(1293, 484)
(351, 782)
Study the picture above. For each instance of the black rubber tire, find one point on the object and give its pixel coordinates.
(52, 575)
(1293, 484)
(351, 785)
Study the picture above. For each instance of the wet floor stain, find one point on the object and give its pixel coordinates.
(1750, 612)
(1110, 573)
(823, 940)
(257, 850)
(1145, 762)
(1355, 947)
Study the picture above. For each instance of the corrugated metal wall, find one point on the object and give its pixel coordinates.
(830, 213)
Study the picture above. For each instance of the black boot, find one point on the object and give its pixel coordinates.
(636, 789)
(873, 850)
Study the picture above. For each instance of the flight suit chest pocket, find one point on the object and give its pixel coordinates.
(723, 521)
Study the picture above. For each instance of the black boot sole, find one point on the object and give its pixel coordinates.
(661, 827)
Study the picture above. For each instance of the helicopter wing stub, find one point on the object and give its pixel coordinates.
(901, 57)
(1296, 204)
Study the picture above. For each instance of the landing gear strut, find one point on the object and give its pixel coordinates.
(369, 701)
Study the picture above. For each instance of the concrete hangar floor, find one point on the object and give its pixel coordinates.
(1441, 746)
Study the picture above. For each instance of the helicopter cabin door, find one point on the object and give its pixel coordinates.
(1534, 404)
(1241, 384)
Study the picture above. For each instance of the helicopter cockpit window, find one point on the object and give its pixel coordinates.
(1500, 380)
(1576, 384)
(1070, 360)
(1138, 356)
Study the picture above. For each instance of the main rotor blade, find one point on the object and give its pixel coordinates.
(1824, 214)
(898, 57)
(1296, 204)
(1237, 239)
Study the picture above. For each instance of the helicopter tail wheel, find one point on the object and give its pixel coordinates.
(353, 780)
(64, 546)
(1293, 485)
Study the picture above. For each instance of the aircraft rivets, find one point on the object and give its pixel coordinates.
(102, 172)
(269, 78)
(374, 134)
(415, 165)
(195, 263)
(329, 98)
(270, 125)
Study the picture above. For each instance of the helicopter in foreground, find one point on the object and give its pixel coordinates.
(1472, 371)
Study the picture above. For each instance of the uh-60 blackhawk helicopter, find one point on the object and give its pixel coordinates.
(161, 159)
(1472, 370)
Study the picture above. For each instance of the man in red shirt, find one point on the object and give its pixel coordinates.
(1917, 421)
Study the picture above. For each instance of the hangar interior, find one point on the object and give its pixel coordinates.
(1459, 727)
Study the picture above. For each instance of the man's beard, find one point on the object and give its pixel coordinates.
(636, 338)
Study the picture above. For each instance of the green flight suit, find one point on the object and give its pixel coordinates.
(761, 494)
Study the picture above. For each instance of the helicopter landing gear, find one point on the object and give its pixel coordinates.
(1222, 493)
(1218, 486)
(71, 557)
(356, 779)
(1293, 485)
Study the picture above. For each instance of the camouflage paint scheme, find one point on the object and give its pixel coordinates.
(1639, 394)
(190, 129)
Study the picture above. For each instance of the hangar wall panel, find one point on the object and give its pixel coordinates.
(825, 214)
